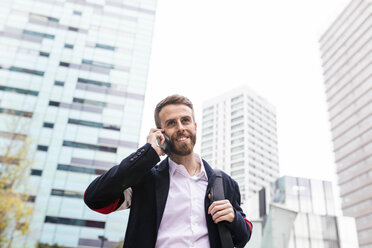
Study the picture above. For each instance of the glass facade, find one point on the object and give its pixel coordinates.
(304, 195)
(291, 218)
(76, 71)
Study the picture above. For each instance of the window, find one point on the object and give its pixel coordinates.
(207, 135)
(20, 91)
(238, 148)
(236, 105)
(42, 148)
(44, 54)
(16, 112)
(207, 115)
(237, 172)
(65, 64)
(43, 35)
(59, 83)
(91, 102)
(89, 146)
(239, 111)
(53, 19)
(76, 12)
(53, 103)
(73, 29)
(237, 133)
(35, 172)
(24, 70)
(48, 125)
(77, 169)
(239, 118)
(70, 46)
(237, 156)
(206, 143)
(94, 124)
(237, 126)
(30, 198)
(206, 150)
(44, 18)
(111, 127)
(237, 141)
(66, 193)
(98, 64)
(237, 164)
(235, 99)
(74, 222)
(107, 47)
(208, 122)
(208, 109)
(93, 82)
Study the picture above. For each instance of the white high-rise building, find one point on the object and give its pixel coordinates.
(346, 48)
(239, 137)
(76, 70)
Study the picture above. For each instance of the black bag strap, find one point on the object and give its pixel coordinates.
(217, 193)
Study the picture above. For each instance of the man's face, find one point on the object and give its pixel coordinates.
(179, 125)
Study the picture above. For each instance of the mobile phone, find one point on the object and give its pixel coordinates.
(166, 146)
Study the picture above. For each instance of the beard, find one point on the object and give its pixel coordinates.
(182, 149)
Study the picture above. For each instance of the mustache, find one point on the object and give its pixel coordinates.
(183, 134)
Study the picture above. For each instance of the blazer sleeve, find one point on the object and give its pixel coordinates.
(241, 228)
(105, 193)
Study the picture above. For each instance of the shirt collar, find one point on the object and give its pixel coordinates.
(173, 167)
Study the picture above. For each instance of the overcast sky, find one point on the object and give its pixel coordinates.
(202, 49)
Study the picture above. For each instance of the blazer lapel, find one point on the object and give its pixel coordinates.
(161, 190)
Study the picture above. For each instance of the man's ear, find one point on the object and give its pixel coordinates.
(196, 125)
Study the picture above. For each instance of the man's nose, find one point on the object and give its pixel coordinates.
(180, 126)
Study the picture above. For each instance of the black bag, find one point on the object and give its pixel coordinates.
(217, 194)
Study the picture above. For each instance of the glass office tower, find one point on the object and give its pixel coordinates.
(346, 48)
(300, 212)
(76, 71)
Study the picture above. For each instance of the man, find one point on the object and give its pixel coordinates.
(169, 202)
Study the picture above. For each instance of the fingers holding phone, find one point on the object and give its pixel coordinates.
(156, 138)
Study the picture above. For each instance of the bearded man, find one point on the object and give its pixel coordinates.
(169, 202)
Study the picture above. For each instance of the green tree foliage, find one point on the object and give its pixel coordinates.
(15, 212)
(43, 245)
(118, 245)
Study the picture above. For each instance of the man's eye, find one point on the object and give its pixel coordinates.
(171, 123)
(186, 120)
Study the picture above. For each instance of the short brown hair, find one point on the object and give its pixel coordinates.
(173, 99)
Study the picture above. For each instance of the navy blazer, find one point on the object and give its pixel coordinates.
(150, 185)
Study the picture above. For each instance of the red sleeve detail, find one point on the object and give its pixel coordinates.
(249, 224)
(110, 208)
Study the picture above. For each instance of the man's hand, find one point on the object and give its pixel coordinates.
(221, 210)
(152, 139)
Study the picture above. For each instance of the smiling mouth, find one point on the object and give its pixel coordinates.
(182, 139)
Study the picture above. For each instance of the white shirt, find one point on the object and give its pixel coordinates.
(184, 223)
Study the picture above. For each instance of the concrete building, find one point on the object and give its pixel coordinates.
(76, 71)
(300, 212)
(239, 137)
(347, 62)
